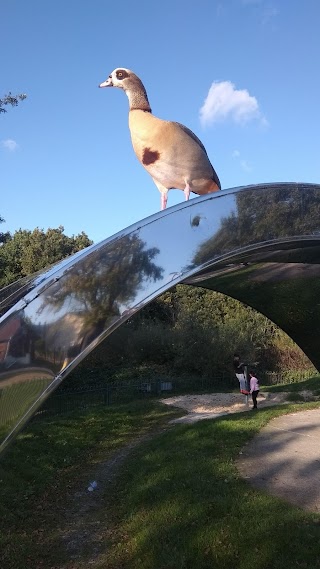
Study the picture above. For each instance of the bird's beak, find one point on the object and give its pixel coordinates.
(107, 83)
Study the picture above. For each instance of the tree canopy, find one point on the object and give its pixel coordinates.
(27, 251)
(12, 100)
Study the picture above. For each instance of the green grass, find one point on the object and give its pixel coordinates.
(48, 463)
(181, 504)
(310, 384)
(178, 502)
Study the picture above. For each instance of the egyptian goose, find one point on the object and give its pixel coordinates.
(171, 153)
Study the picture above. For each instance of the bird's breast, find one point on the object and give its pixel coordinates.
(169, 155)
(146, 136)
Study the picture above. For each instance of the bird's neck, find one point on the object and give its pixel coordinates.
(138, 98)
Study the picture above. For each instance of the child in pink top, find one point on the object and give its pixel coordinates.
(254, 389)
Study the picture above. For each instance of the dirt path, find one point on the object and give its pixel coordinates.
(209, 406)
(84, 533)
(284, 459)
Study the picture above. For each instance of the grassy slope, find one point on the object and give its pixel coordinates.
(48, 463)
(178, 502)
(183, 504)
(312, 384)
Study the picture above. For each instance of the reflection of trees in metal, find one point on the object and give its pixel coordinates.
(71, 312)
(263, 216)
(120, 269)
(10, 294)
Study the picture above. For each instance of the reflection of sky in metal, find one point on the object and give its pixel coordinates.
(41, 312)
(177, 250)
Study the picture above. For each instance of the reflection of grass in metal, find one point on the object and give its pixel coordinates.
(15, 400)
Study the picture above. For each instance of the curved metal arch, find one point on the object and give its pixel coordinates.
(259, 244)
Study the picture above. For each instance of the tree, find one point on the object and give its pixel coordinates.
(12, 100)
(27, 251)
(192, 332)
(3, 236)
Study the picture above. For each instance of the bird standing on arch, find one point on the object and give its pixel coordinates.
(170, 152)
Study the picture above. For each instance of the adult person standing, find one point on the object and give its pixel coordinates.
(239, 369)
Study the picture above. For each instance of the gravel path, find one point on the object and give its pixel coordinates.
(284, 459)
(213, 405)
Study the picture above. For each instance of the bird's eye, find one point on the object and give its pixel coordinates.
(121, 74)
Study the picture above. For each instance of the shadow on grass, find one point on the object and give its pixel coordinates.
(177, 502)
(310, 384)
(182, 503)
(48, 464)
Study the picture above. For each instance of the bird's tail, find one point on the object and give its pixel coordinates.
(211, 186)
(216, 181)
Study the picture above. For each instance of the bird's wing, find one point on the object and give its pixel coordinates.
(196, 139)
(191, 134)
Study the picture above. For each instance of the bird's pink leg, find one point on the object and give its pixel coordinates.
(164, 199)
(164, 194)
(187, 191)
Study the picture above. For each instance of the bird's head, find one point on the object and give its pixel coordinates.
(120, 77)
(130, 83)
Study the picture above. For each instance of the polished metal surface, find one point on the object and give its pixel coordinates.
(259, 244)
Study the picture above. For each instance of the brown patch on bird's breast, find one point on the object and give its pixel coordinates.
(150, 156)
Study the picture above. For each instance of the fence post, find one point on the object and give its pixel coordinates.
(245, 368)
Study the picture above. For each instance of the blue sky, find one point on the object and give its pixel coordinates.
(242, 74)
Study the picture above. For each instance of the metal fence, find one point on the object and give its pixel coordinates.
(295, 376)
(66, 400)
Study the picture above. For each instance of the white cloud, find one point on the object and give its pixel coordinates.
(219, 9)
(266, 12)
(10, 144)
(244, 164)
(224, 102)
(268, 15)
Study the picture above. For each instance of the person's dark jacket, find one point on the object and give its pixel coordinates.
(238, 366)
